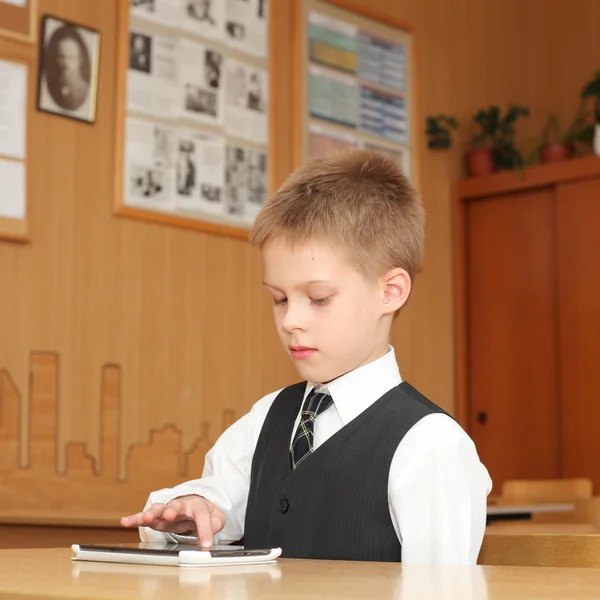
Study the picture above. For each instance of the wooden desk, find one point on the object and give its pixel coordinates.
(528, 528)
(524, 512)
(541, 545)
(49, 573)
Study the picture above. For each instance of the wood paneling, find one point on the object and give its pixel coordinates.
(174, 323)
(34, 536)
(511, 329)
(578, 239)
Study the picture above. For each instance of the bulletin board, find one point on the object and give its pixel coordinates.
(355, 83)
(18, 19)
(16, 87)
(193, 118)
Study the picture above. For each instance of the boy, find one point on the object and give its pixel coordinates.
(353, 463)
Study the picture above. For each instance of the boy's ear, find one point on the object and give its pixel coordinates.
(397, 285)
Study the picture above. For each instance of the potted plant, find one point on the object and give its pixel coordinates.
(555, 146)
(494, 147)
(438, 131)
(592, 91)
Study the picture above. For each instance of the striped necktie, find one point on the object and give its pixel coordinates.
(302, 446)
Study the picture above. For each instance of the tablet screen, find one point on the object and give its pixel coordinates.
(171, 549)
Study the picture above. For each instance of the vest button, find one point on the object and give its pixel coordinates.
(284, 505)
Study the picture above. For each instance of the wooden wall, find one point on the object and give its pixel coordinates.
(126, 347)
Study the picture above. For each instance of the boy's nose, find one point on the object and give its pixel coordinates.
(292, 321)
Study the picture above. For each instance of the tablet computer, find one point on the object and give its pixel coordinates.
(182, 555)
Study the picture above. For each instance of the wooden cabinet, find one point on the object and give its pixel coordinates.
(528, 320)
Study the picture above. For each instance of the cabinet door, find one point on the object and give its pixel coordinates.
(578, 254)
(512, 325)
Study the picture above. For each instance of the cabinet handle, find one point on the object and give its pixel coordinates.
(482, 417)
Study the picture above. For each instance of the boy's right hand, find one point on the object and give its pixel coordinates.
(187, 515)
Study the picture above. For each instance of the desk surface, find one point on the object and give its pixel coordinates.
(510, 509)
(528, 527)
(49, 573)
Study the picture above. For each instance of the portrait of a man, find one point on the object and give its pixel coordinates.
(68, 69)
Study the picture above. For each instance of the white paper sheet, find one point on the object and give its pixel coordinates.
(12, 186)
(15, 2)
(246, 101)
(200, 75)
(152, 74)
(205, 18)
(245, 183)
(200, 171)
(149, 165)
(246, 25)
(13, 108)
(165, 12)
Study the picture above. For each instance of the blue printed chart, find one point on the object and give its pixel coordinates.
(357, 84)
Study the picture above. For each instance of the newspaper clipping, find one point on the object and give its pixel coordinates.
(197, 125)
(200, 78)
(205, 18)
(166, 12)
(152, 76)
(149, 164)
(200, 176)
(245, 182)
(246, 26)
(246, 101)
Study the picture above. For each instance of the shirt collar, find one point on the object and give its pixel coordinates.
(355, 391)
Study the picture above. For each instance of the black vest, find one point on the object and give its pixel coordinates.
(335, 504)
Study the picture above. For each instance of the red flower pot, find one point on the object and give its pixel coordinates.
(480, 161)
(555, 152)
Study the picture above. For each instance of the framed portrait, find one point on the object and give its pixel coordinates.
(18, 20)
(68, 71)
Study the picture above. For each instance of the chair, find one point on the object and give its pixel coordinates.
(545, 491)
(576, 491)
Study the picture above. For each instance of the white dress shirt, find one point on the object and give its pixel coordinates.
(437, 487)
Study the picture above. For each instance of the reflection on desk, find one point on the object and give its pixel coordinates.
(50, 573)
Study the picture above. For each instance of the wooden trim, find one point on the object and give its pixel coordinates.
(298, 82)
(179, 219)
(69, 520)
(183, 222)
(273, 62)
(121, 95)
(414, 113)
(369, 12)
(536, 176)
(31, 36)
(17, 230)
(461, 359)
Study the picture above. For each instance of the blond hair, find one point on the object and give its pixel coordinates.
(357, 200)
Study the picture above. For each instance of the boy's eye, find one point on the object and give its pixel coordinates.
(320, 301)
(278, 301)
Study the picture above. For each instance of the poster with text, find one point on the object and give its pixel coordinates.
(200, 82)
(332, 42)
(332, 97)
(149, 164)
(246, 101)
(246, 25)
(165, 12)
(152, 75)
(381, 61)
(205, 18)
(322, 141)
(200, 172)
(383, 114)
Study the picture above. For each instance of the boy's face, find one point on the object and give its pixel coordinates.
(329, 317)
